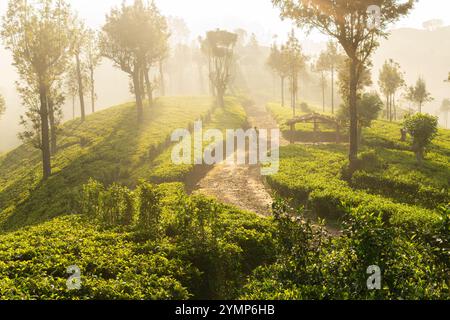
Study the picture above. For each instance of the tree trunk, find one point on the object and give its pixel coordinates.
(45, 141)
(200, 79)
(282, 91)
(80, 88)
(73, 107)
(293, 95)
(446, 120)
(389, 107)
(149, 88)
(92, 90)
(162, 86)
(138, 96)
(323, 92)
(142, 89)
(332, 90)
(353, 150)
(419, 156)
(220, 97)
(51, 117)
(395, 106)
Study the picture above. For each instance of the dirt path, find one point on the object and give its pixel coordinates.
(241, 185)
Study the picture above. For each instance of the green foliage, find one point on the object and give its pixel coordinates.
(304, 107)
(423, 128)
(105, 148)
(204, 250)
(90, 203)
(369, 106)
(33, 264)
(223, 243)
(419, 94)
(232, 116)
(312, 265)
(387, 178)
(149, 203)
(112, 206)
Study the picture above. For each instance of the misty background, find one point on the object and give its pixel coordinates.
(420, 51)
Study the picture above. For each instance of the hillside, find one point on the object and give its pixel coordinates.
(389, 181)
(419, 53)
(134, 240)
(107, 147)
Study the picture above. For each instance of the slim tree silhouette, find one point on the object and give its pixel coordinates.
(40, 38)
(129, 38)
(419, 94)
(220, 48)
(390, 80)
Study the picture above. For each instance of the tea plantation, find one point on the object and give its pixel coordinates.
(117, 209)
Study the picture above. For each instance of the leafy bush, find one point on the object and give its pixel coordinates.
(204, 250)
(370, 161)
(149, 208)
(423, 129)
(369, 107)
(312, 265)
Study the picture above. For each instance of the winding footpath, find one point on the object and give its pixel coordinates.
(242, 185)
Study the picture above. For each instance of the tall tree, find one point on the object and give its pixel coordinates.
(206, 50)
(157, 52)
(220, 50)
(357, 30)
(295, 61)
(322, 66)
(92, 58)
(277, 62)
(2, 105)
(331, 61)
(39, 37)
(79, 41)
(127, 39)
(445, 109)
(201, 61)
(419, 94)
(72, 86)
(390, 80)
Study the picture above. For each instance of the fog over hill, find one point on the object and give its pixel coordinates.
(419, 52)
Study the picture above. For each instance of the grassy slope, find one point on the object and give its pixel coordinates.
(232, 117)
(108, 146)
(400, 187)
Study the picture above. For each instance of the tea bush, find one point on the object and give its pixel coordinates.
(388, 179)
(312, 265)
(204, 249)
(105, 147)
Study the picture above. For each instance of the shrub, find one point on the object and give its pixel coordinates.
(370, 161)
(90, 203)
(311, 265)
(149, 208)
(369, 107)
(423, 128)
(304, 107)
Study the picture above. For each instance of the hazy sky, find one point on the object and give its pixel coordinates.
(258, 16)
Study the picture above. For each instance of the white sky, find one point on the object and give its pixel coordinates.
(258, 16)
